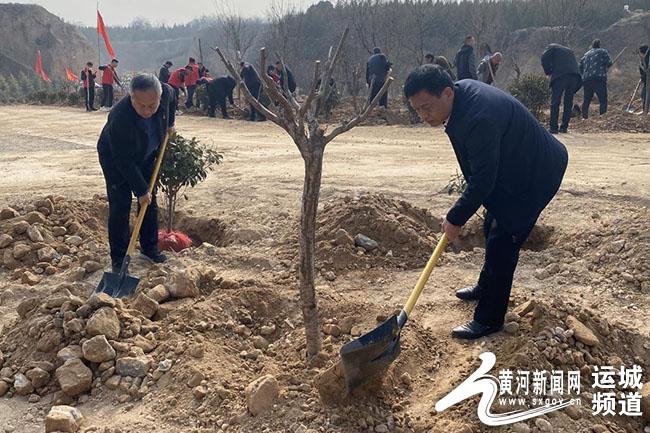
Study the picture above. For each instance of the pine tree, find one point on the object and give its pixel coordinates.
(14, 92)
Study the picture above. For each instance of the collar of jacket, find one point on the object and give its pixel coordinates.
(455, 109)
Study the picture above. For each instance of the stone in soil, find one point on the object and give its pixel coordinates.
(63, 419)
(261, 394)
(97, 349)
(74, 377)
(365, 242)
(133, 366)
(104, 322)
(581, 332)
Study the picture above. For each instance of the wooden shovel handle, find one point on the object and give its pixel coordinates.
(143, 208)
(415, 294)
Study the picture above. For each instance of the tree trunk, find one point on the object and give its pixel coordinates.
(310, 196)
(170, 215)
(646, 106)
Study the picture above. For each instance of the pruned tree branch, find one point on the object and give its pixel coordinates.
(275, 92)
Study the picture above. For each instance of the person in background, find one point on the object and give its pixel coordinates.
(465, 62)
(593, 67)
(377, 69)
(163, 74)
(109, 77)
(429, 58)
(488, 67)
(291, 82)
(88, 78)
(270, 70)
(254, 84)
(563, 74)
(177, 81)
(219, 89)
(190, 82)
(644, 56)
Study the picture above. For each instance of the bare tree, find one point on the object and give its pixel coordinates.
(564, 15)
(285, 27)
(236, 32)
(300, 121)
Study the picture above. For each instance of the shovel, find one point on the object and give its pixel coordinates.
(373, 352)
(121, 284)
(628, 108)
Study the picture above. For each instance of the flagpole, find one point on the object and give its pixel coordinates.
(99, 55)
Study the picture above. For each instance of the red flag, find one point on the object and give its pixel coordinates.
(101, 29)
(70, 76)
(39, 68)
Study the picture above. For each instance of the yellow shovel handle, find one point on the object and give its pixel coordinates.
(143, 208)
(415, 294)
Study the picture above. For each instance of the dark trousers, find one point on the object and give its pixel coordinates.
(643, 96)
(107, 97)
(600, 88)
(256, 93)
(190, 96)
(565, 85)
(119, 210)
(176, 96)
(89, 97)
(213, 107)
(373, 92)
(501, 257)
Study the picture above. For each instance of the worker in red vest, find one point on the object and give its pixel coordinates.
(190, 82)
(88, 79)
(109, 77)
(178, 80)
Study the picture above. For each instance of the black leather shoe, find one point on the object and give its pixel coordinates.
(472, 330)
(154, 256)
(563, 130)
(471, 293)
(553, 131)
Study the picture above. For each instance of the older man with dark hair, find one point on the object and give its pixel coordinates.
(513, 167)
(127, 148)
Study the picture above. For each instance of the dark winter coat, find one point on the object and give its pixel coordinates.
(251, 78)
(465, 63)
(512, 164)
(164, 74)
(377, 66)
(221, 88)
(290, 79)
(123, 142)
(558, 61)
(594, 64)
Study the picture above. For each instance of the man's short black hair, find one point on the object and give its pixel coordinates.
(429, 56)
(189, 67)
(192, 59)
(431, 78)
(376, 50)
(89, 64)
(115, 60)
(169, 63)
(643, 49)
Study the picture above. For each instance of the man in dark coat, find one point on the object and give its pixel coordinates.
(644, 56)
(127, 148)
(562, 71)
(163, 74)
(513, 167)
(254, 84)
(377, 69)
(219, 89)
(88, 78)
(465, 61)
(291, 82)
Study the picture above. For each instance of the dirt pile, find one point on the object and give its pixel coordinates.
(615, 120)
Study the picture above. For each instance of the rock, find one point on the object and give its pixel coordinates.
(8, 259)
(113, 382)
(406, 379)
(581, 332)
(91, 266)
(261, 394)
(74, 326)
(511, 327)
(4, 387)
(35, 217)
(196, 379)
(8, 213)
(26, 306)
(20, 251)
(133, 366)
(196, 351)
(74, 240)
(61, 398)
(645, 401)
(104, 322)
(267, 330)
(199, 392)
(381, 428)
(541, 274)
(145, 305)
(330, 276)
(260, 342)
(342, 237)
(159, 293)
(74, 377)
(98, 350)
(228, 284)
(59, 231)
(63, 419)
(22, 384)
(70, 352)
(49, 341)
(573, 412)
(30, 279)
(146, 344)
(520, 427)
(20, 227)
(101, 299)
(46, 254)
(38, 377)
(76, 274)
(332, 329)
(5, 240)
(34, 234)
(182, 286)
(543, 425)
(365, 242)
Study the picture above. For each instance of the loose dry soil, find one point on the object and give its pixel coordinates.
(232, 315)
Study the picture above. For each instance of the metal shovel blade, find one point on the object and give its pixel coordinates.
(118, 285)
(371, 353)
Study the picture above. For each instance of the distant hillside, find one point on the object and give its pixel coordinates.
(25, 29)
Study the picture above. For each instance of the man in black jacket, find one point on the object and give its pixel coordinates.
(219, 89)
(88, 78)
(254, 84)
(377, 69)
(644, 56)
(127, 148)
(513, 167)
(163, 74)
(291, 82)
(465, 61)
(563, 73)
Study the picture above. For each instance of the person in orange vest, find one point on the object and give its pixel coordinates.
(109, 77)
(88, 78)
(190, 82)
(178, 80)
